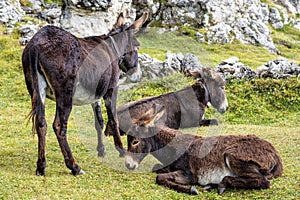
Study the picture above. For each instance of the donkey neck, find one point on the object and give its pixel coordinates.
(117, 42)
(170, 144)
(201, 92)
(115, 46)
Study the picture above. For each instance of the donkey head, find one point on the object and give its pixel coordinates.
(140, 136)
(127, 42)
(215, 86)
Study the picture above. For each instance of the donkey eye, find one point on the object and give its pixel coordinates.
(223, 87)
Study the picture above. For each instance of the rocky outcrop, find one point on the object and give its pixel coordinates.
(226, 20)
(231, 68)
(293, 6)
(279, 68)
(10, 12)
(94, 17)
(153, 68)
(50, 13)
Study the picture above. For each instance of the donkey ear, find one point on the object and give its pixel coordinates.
(139, 22)
(120, 20)
(195, 74)
(157, 115)
(207, 73)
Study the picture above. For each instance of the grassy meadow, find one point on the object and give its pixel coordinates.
(267, 108)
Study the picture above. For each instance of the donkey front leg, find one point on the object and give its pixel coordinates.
(178, 181)
(99, 124)
(60, 127)
(208, 122)
(110, 99)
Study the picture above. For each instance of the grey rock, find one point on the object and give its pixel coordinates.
(33, 7)
(27, 31)
(279, 68)
(226, 20)
(10, 12)
(152, 68)
(231, 68)
(293, 6)
(92, 4)
(85, 21)
(219, 33)
(275, 18)
(190, 62)
(200, 37)
(51, 13)
(173, 61)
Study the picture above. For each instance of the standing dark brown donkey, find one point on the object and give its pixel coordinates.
(77, 71)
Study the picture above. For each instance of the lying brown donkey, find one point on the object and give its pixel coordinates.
(244, 161)
(184, 108)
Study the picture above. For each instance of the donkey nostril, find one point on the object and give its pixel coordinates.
(127, 165)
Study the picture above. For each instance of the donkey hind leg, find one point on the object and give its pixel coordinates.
(38, 98)
(41, 128)
(176, 180)
(247, 176)
(110, 99)
(99, 124)
(60, 127)
(255, 182)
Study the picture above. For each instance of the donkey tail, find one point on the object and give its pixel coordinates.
(30, 68)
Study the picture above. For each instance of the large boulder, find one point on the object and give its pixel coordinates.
(94, 17)
(152, 68)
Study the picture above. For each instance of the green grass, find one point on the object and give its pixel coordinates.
(107, 178)
(211, 55)
(288, 42)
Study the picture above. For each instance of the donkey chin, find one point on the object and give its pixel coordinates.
(130, 163)
(222, 109)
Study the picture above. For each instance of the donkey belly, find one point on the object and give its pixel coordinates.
(213, 176)
(83, 96)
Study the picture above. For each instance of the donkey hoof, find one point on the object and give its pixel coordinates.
(101, 152)
(207, 188)
(80, 172)
(221, 190)
(40, 172)
(214, 122)
(194, 191)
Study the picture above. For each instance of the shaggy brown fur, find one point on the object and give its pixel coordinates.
(244, 161)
